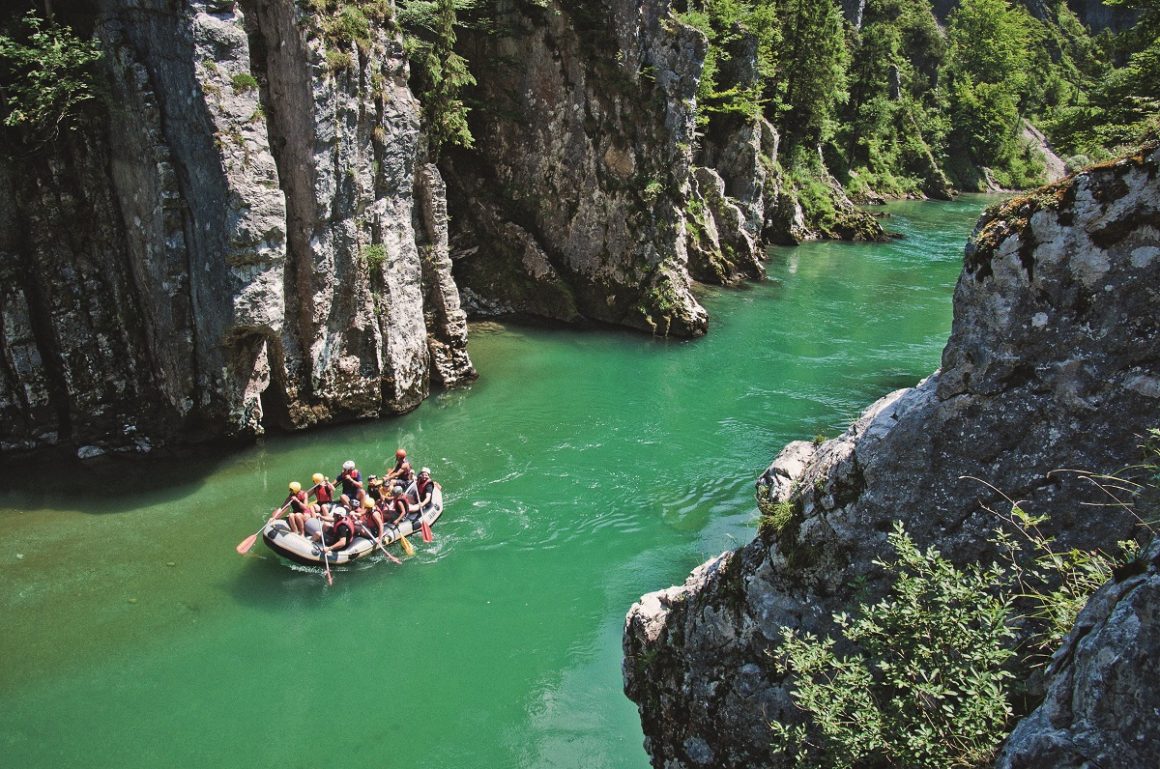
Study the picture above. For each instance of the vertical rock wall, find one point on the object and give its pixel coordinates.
(570, 206)
(229, 241)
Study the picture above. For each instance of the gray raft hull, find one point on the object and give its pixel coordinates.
(297, 548)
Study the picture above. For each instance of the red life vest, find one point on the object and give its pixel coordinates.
(325, 492)
(346, 523)
(421, 488)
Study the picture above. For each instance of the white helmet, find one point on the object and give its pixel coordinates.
(425, 470)
(348, 464)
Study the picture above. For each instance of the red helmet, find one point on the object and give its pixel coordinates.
(401, 453)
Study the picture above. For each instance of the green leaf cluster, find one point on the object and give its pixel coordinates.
(440, 73)
(730, 25)
(1120, 106)
(46, 74)
(924, 682)
(893, 118)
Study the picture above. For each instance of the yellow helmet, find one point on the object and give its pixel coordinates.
(295, 487)
(368, 503)
(318, 478)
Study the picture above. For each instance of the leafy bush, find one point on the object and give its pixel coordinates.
(440, 73)
(46, 73)
(925, 680)
(924, 684)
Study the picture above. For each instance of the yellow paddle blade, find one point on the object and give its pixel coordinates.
(407, 548)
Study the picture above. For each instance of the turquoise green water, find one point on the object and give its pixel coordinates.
(582, 470)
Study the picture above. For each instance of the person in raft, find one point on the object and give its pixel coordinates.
(398, 506)
(424, 488)
(341, 534)
(323, 492)
(402, 472)
(300, 508)
(375, 489)
(371, 521)
(352, 487)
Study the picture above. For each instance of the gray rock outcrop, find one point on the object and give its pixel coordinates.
(231, 242)
(1053, 364)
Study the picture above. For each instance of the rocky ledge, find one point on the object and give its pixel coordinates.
(1052, 365)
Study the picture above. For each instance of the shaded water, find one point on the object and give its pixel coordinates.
(582, 470)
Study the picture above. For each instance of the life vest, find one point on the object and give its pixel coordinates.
(398, 506)
(345, 523)
(299, 502)
(422, 488)
(350, 485)
(325, 492)
(366, 520)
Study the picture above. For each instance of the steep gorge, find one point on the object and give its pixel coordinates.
(246, 232)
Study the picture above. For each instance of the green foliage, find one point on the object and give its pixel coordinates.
(652, 190)
(774, 516)
(344, 22)
(728, 25)
(892, 123)
(812, 72)
(987, 82)
(243, 81)
(350, 24)
(814, 195)
(924, 673)
(375, 256)
(1122, 106)
(440, 73)
(924, 684)
(1055, 584)
(46, 74)
(337, 61)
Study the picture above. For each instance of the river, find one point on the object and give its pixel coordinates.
(583, 469)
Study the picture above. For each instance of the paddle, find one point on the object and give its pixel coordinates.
(245, 545)
(378, 544)
(407, 547)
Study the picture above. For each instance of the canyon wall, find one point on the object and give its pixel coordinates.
(241, 234)
(1053, 366)
(592, 194)
(245, 231)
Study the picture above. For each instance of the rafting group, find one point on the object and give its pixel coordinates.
(360, 510)
(335, 522)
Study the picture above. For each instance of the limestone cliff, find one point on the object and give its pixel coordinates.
(231, 241)
(1053, 363)
(592, 193)
(570, 207)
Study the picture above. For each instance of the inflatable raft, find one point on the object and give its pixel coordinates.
(297, 548)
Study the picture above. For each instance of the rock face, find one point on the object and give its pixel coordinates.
(569, 208)
(232, 242)
(1052, 364)
(592, 195)
(1102, 697)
